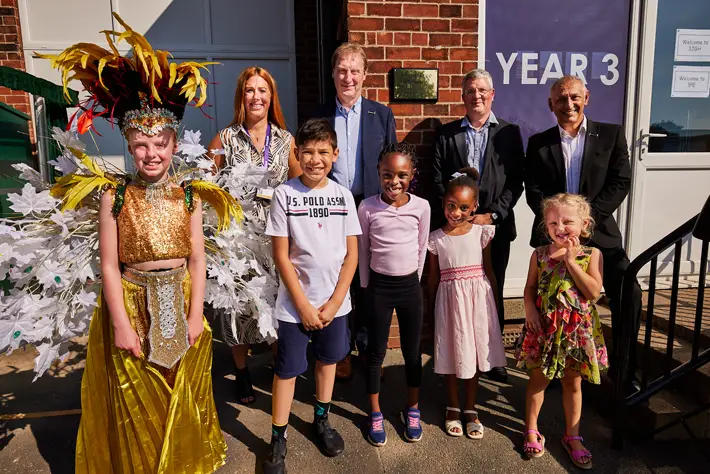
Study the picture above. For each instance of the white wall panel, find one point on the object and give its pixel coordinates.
(50, 23)
(670, 198)
(261, 25)
(165, 22)
(520, 251)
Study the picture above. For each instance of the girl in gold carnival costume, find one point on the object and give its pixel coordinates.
(146, 393)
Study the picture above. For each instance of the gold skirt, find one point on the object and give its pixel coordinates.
(138, 417)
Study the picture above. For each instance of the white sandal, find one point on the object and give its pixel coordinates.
(452, 424)
(472, 427)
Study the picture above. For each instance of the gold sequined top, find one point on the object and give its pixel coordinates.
(151, 231)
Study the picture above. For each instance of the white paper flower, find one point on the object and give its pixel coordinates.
(30, 175)
(52, 274)
(48, 353)
(65, 164)
(30, 201)
(190, 146)
(62, 219)
(11, 231)
(11, 331)
(7, 252)
(67, 138)
(207, 165)
(87, 300)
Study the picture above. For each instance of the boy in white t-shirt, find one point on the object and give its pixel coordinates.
(314, 227)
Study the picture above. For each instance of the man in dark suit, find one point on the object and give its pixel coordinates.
(363, 128)
(495, 148)
(581, 156)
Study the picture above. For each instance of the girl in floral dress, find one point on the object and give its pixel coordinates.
(467, 333)
(562, 337)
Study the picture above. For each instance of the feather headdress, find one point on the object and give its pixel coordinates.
(144, 91)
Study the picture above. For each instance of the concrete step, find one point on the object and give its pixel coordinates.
(685, 314)
(669, 406)
(696, 384)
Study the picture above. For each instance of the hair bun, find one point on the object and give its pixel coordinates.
(471, 173)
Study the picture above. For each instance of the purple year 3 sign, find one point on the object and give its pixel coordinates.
(530, 43)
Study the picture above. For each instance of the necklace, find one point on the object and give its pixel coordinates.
(154, 191)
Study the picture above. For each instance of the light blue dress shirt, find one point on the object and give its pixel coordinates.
(476, 142)
(573, 153)
(348, 170)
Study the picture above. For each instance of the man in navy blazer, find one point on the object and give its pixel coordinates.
(363, 128)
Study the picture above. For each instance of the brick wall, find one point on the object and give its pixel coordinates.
(11, 53)
(417, 34)
(413, 33)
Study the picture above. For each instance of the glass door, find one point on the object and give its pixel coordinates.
(671, 141)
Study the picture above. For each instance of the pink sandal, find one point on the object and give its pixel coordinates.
(539, 445)
(576, 455)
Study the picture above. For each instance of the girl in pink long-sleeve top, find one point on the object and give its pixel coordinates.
(393, 246)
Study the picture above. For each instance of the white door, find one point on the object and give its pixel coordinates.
(671, 142)
(237, 34)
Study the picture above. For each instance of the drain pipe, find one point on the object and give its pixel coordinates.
(321, 53)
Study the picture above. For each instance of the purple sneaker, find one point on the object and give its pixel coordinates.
(377, 436)
(412, 427)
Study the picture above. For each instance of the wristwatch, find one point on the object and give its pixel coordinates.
(494, 216)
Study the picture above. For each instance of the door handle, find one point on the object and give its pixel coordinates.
(642, 141)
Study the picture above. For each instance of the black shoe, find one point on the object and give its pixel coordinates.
(276, 462)
(329, 440)
(497, 374)
(243, 387)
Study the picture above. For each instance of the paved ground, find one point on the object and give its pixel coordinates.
(46, 443)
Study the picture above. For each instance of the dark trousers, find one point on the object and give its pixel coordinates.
(357, 321)
(615, 263)
(385, 294)
(500, 254)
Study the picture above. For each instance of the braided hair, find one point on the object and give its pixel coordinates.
(467, 178)
(402, 148)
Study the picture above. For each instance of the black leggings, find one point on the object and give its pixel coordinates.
(383, 294)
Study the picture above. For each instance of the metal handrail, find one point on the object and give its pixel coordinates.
(628, 339)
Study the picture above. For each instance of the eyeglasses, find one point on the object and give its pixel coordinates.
(481, 91)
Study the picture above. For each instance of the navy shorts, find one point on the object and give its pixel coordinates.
(330, 345)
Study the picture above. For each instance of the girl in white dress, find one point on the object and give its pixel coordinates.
(467, 334)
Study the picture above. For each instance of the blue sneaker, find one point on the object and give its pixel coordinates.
(377, 436)
(412, 426)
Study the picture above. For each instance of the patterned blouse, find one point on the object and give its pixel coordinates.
(239, 148)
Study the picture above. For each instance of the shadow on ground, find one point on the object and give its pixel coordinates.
(41, 445)
(56, 391)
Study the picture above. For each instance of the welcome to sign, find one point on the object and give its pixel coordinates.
(529, 44)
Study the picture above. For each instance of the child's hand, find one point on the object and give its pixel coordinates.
(195, 327)
(572, 247)
(533, 320)
(326, 313)
(310, 318)
(125, 338)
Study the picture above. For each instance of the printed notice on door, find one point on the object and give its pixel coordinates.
(691, 81)
(692, 45)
